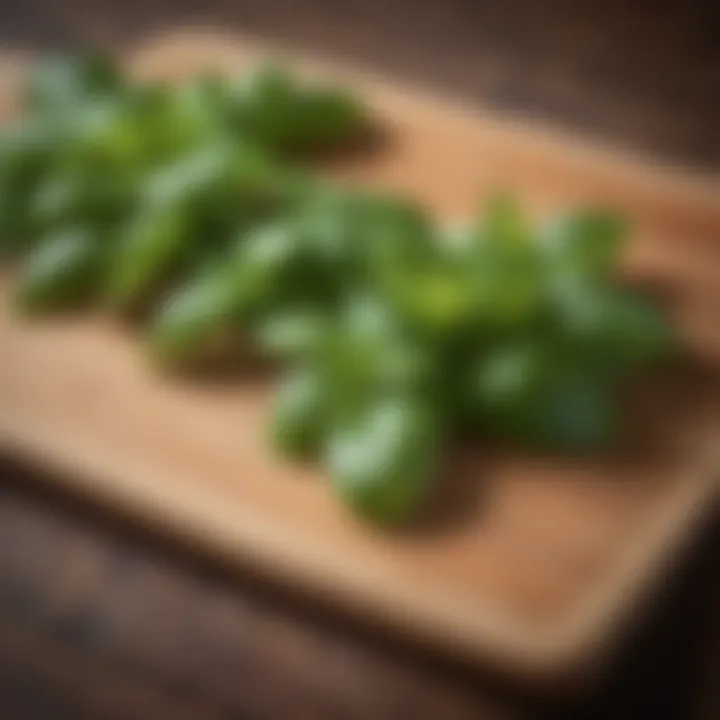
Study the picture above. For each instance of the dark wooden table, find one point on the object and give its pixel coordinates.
(643, 74)
(100, 618)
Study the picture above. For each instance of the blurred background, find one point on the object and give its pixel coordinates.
(643, 73)
(102, 619)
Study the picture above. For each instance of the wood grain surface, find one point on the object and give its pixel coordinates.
(110, 629)
(100, 619)
(544, 552)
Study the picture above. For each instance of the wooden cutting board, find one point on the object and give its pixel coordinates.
(531, 563)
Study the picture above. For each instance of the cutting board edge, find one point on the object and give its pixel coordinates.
(555, 655)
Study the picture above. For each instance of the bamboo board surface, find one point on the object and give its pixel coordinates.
(529, 562)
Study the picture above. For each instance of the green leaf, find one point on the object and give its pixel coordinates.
(507, 284)
(269, 259)
(59, 83)
(150, 248)
(283, 114)
(438, 299)
(575, 413)
(300, 414)
(509, 375)
(567, 408)
(293, 333)
(503, 223)
(199, 111)
(78, 195)
(61, 273)
(265, 106)
(327, 116)
(614, 328)
(383, 463)
(191, 323)
(587, 242)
